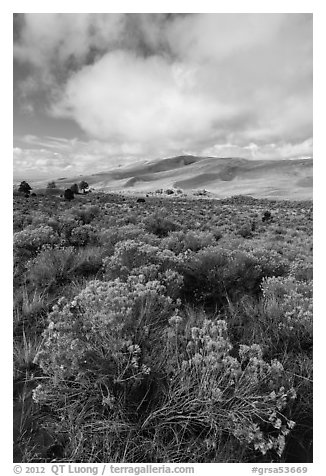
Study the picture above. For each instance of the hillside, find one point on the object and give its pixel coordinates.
(222, 177)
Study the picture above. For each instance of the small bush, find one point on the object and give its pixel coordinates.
(288, 313)
(131, 254)
(214, 275)
(111, 236)
(52, 267)
(69, 194)
(30, 240)
(160, 226)
(180, 241)
(245, 231)
(83, 235)
(86, 214)
(58, 266)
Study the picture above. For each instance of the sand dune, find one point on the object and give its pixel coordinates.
(223, 177)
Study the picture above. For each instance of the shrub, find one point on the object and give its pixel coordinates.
(267, 216)
(98, 341)
(52, 267)
(245, 231)
(64, 225)
(86, 214)
(131, 254)
(288, 313)
(68, 194)
(89, 262)
(58, 266)
(302, 268)
(84, 235)
(271, 262)
(214, 275)
(195, 241)
(100, 353)
(74, 188)
(30, 240)
(159, 226)
(110, 237)
(21, 220)
(174, 242)
(179, 241)
(281, 321)
(213, 394)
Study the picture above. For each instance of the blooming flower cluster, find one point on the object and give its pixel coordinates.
(180, 241)
(102, 332)
(290, 302)
(132, 254)
(30, 240)
(240, 395)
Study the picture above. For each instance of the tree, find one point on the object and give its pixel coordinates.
(83, 185)
(74, 188)
(52, 184)
(24, 187)
(69, 194)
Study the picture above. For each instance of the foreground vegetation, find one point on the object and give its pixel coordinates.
(168, 330)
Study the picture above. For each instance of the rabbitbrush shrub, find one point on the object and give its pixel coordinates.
(220, 398)
(30, 240)
(100, 359)
(103, 328)
(131, 254)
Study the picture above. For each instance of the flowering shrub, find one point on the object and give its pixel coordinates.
(288, 311)
(302, 268)
(180, 241)
(83, 235)
(111, 236)
(65, 225)
(30, 240)
(108, 334)
(217, 394)
(39, 218)
(131, 372)
(131, 254)
(271, 262)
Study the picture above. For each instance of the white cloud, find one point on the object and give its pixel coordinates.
(263, 151)
(150, 100)
(147, 85)
(51, 157)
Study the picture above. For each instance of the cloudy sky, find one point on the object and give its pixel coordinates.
(96, 91)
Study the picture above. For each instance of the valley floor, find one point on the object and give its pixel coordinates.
(163, 330)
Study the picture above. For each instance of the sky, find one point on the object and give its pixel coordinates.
(99, 91)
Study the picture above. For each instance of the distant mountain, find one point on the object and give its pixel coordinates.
(223, 177)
